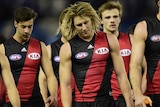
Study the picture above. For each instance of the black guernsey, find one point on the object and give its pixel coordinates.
(25, 61)
(91, 68)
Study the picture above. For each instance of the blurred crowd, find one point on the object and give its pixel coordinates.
(46, 25)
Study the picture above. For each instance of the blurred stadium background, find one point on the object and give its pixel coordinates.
(46, 25)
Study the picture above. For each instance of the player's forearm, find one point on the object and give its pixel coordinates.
(52, 86)
(144, 85)
(66, 96)
(136, 78)
(14, 97)
(126, 90)
(44, 90)
(43, 85)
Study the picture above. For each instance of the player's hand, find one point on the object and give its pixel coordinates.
(51, 102)
(140, 101)
(148, 102)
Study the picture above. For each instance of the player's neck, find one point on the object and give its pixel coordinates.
(116, 33)
(158, 16)
(63, 40)
(20, 40)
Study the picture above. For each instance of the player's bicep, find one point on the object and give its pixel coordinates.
(138, 43)
(65, 64)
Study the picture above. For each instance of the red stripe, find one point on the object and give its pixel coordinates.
(29, 72)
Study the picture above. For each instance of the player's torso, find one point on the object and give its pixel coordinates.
(24, 61)
(91, 67)
(152, 54)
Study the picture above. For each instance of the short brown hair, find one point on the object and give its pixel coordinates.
(108, 6)
(24, 14)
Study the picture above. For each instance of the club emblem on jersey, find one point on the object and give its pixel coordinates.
(155, 38)
(102, 50)
(81, 55)
(57, 59)
(90, 47)
(125, 52)
(34, 56)
(23, 49)
(15, 57)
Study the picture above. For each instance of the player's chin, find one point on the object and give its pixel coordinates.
(26, 37)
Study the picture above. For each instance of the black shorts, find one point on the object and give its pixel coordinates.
(27, 104)
(109, 102)
(120, 102)
(1, 103)
(155, 99)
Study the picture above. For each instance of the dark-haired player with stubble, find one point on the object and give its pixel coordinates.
(26, 55)
(146, 42)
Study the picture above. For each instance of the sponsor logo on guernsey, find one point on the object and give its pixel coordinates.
(102, 50)
(125, 52)
(15, 57)
(81, 55)
(34, 56)
(57, 59)
(155, 38)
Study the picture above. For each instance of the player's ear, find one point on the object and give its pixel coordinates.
(15, 23)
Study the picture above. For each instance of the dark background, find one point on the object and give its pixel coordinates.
(46, 25)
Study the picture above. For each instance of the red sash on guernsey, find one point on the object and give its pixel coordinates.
(29, 71)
